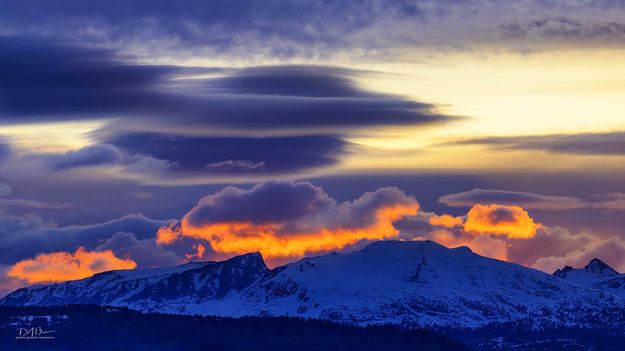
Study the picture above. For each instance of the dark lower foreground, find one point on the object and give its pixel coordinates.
(523, 336)
(98, 328)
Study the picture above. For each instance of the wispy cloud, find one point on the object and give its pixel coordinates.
(603, 201)
(608, 143)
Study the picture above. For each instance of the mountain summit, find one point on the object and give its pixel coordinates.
(419, 283)
(596, 275)
(594, 270)
(599, 267)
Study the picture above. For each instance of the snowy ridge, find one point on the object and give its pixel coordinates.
(596, 275)
(404, 283)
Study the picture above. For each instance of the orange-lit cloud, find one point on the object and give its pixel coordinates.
(489, 230)
(200, 250)
(488, 246)
(273, 241)
(63, 266)
(511, 221)
(303, 220)
(446, 220)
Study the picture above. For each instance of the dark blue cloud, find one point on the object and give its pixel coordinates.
(273, 201)
(144, 252)
(314, 81)
(315, 108)
(300, 206)
(235, 154)
(25, 236)
(48, 81)
(41, 79)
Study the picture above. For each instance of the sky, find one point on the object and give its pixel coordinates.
(151, 133)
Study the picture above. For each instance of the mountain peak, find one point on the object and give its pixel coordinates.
(594, 271)
(561, 273)
(597, 266)
(249, 259)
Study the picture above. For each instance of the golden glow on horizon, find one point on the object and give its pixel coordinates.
(50, 137)
(564, 91)
(501, 94)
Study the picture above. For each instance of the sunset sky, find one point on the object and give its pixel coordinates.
(151, 133)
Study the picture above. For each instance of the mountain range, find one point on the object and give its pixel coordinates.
(410, 284)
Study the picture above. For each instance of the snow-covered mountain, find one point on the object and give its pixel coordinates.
(596, 275)
(404, 283)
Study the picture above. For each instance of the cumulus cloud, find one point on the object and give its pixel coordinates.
(33, 250)
(144, 252)
(22, 237)
(486, 229)
(511, 221)
(9, 284)
(63, 266)
(289, 219)
(555, 247)
(611, 251)
(446, 220)
(198, 254)
(548, 249)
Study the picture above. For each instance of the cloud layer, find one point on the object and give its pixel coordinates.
(190, 120)
(280, 29)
